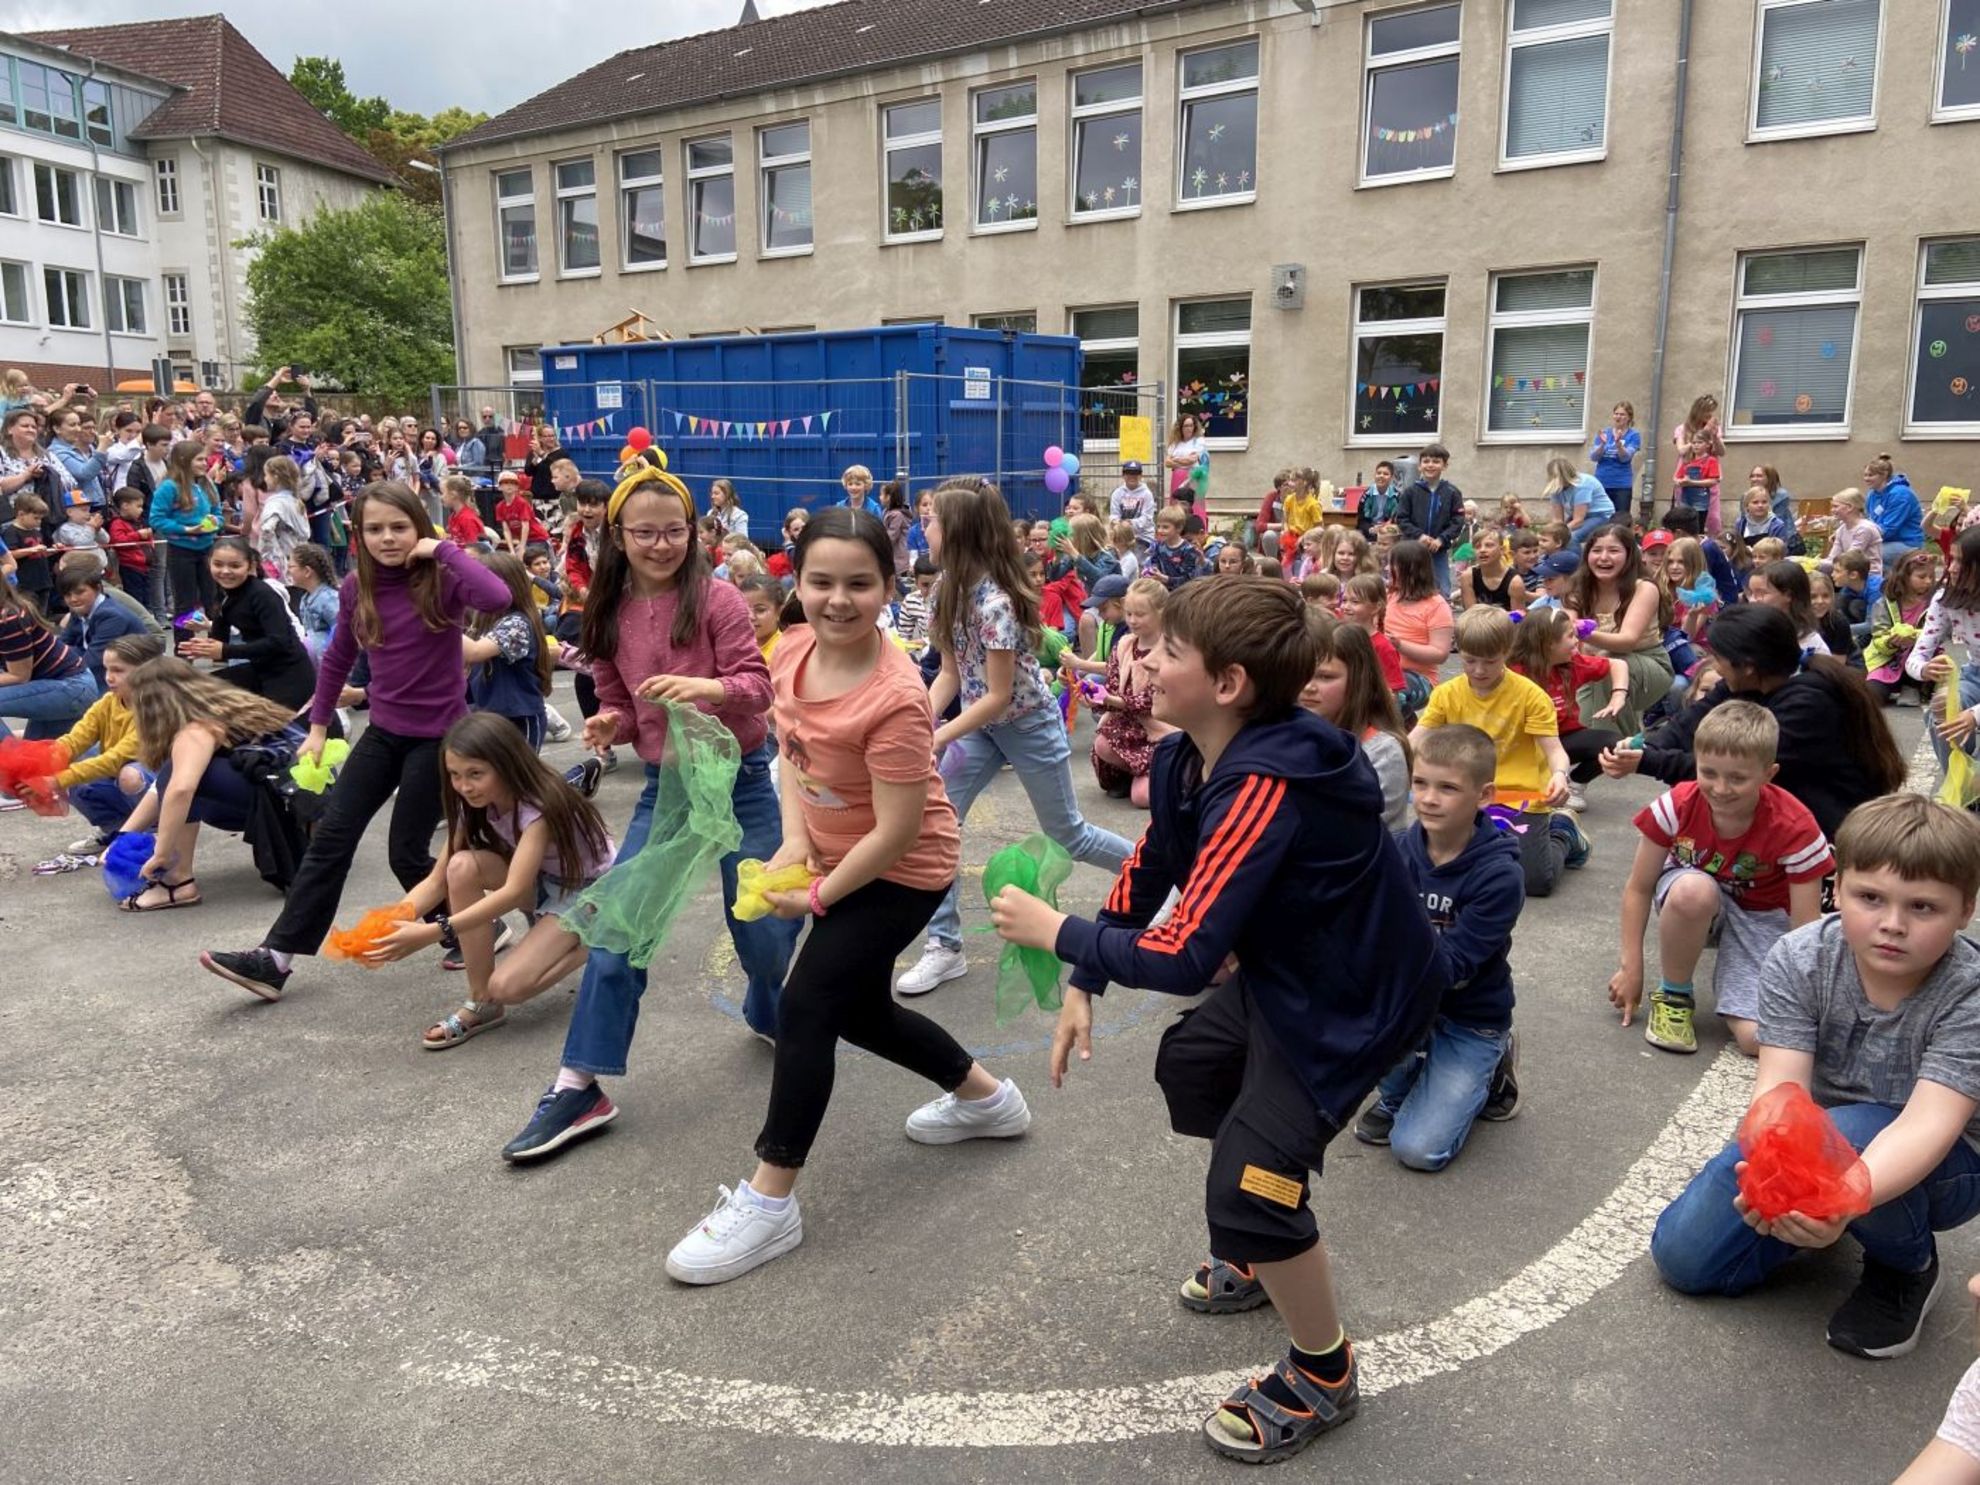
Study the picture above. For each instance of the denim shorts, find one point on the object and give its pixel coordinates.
(555, 896)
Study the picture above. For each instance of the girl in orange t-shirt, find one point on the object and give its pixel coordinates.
(864, 807)
(1418, 617)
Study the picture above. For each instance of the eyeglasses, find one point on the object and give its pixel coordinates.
(653, 536)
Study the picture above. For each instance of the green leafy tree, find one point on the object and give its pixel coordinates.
(395, 137)
(321, 81)
(360, 297)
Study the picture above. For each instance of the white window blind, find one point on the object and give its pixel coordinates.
(1818, 63)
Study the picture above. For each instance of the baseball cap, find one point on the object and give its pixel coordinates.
(1111, 588)
(1558, 564)
(1133, 466)
(508, 477)
(1658, 538)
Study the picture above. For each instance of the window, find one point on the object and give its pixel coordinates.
(1110, 347)
(577, 218)
(913, 320)
(642, 209)
(1816, 67)
(1219, 158)
(48, 101)
(1945, 343)
(1557, 82)
(1213, 365)
(1410, 102)
(123, 305)
(58, 195)
(1398, 362)
(96, 112)
(14, 306)
(515, 223)
(525, 366)
(1025, 321)
(1106, 142)
(914, 169)
(178, 304)
(268, 193)
(7, 114)
(711, 173)
(1959, 67)
(116, 206)
(68, 297)
(1537, 385)
(1794, 342)
(10, 201)
(165, 172)
(783, 152)
(1006, 132)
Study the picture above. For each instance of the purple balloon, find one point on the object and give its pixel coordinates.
(1057, 479)
(1053, 455)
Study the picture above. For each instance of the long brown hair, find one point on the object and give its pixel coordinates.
(1963, 592)
(1860, 723)
(1534, 638)
(977, 548)
(521, 601)
(1582, 599)
(423, 580)
(611, 579)
(1368, 702)
(168, 696)
(576, 831)
(182, 469)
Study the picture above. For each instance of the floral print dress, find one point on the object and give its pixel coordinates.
(1126, 730)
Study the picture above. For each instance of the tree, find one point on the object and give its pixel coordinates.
(321, 81)
(395, 137)
(360, 297)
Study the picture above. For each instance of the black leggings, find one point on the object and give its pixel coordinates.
(192, 581)
(587, 695)
(1584, 748)
(380, 763)
(841, 987)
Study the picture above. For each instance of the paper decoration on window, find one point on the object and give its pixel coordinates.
(790, 218)
(597, 426)
(1120, 141)
(1937, 350)
(702, 427)
(1764, 335)
(1828, 350)
(1532, 383)
(1804, 404)
(1769, 388)
(1960, 386)
(1412, 136)
(1967, 41)
(709, 218)
(1973, 324)
(1399, 390)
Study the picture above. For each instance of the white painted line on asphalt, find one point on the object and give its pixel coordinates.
(1568, 1275)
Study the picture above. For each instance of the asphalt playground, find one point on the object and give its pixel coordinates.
(275, 1243)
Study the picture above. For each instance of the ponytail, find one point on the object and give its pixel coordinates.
(1866, 737)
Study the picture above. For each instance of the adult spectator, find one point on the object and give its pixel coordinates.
(1185, 451)
(1614, 452)
(1892, 504)
(26, 465)
(544, 452)
(203, 409)
(1579, 499)
(494, 442)
(76, 453)
(271, 410)
(1780, 501)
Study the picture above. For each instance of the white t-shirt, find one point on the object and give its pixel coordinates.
(1961, 1427)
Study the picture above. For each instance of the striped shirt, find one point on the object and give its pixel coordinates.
(23, 639)
(1783, 845)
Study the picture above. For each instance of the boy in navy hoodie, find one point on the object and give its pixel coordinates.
(1468, 871)
(1432, 512)
(1297, 906)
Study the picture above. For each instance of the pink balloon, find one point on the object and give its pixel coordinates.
(1057, 479)
(1052, 457)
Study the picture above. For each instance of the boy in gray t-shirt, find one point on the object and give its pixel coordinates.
(1876, 1011)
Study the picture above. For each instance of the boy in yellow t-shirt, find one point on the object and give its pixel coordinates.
(1517, 715)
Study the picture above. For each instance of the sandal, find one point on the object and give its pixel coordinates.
(1251, 1427)
(471, 1019)
(1220, 1288)
(172, 899)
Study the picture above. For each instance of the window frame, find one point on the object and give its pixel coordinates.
(627, 185)
(1106, 344)
(530, 378)
(268, 193)
(1497, 319)
(164, 181)
(696, 176)
(11, 190)
(108, 138)
(987, 320)
(559, 195)
(1360, 329)
(82, 277)
(1079, 115)
(27, 292)
(979, 131)
(81, 197)
(53, 76)
(919, 140)
(1253, 85)
(1212, 340)
(765, 164)
(109, 223)
(1758, 134)
(120, 299)
(1923, 294)
(1390, 62)
(178, 307)
(1818, 299)
(1940, 113)
(505, 204)
(1538, 36)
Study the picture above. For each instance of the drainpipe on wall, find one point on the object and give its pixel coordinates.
(1655, 442)
(96, 240)
(216, 207)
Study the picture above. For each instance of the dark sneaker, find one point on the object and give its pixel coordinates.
(1580, 845)
(584, 776)
(504, 936)
(1373, 1127)
(562, 1116)
(611, 760)
(254, 970)
(1502, 1098)
(1884, 1316)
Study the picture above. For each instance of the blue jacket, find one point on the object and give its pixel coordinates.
(1437, 512)
(85, 469)
(90, 635)
(1473, 903)
(1895, 510)
(1281, 855)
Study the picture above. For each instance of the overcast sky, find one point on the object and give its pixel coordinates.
(497, 54)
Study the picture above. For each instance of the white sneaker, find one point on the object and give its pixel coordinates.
(950, 1120)
(555, 728)
(938, 962)
(1577, 801)
(736, 1237)
(89, 845)
(8, 802)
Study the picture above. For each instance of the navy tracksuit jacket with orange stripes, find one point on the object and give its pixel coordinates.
(1282, 857)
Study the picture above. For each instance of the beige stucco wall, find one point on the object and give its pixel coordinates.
(1886, 189)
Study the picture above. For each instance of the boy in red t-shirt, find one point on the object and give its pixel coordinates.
(1547, 651)
(1730, 849)
(516, 522)
(132, 544)
(464, 526)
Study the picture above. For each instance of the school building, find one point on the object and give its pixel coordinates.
(1337, 229)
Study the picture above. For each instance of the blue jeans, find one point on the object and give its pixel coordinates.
(1440, 564)
(607, 1007)
(104, 804)
(1701, 1245)
(50, 707)
(1036, 747)
(1435, 1093)
(1895, 552)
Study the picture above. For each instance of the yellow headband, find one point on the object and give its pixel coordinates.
(645, 471)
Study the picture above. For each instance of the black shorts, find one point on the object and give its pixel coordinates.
(1226, 1081)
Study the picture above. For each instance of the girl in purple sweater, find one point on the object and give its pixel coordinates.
(657, 628)
(404, 606)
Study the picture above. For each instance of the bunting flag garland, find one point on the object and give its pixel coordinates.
(1393, 391)
(596, 427)
(1537, 383)
(768, 428)
(1411, 136)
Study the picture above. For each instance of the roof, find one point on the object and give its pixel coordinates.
(755, 56)
(230, 89)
